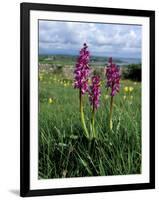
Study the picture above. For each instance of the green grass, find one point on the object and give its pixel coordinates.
(63, 149)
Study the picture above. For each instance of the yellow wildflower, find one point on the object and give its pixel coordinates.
(50, 100)
(124, 97)
(131, 89)
(106, 97)
(126, 89)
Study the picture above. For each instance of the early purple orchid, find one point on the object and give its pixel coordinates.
(113, 82)
(94, 92)
(82, 70)
(113, 77)
(81, 73)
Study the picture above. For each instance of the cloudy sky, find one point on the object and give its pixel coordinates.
(116, 40)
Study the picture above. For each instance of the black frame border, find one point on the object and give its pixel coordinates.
(25, 9)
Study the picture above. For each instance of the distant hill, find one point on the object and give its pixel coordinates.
(94, 60)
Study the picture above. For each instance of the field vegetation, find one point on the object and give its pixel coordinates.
(64, 151)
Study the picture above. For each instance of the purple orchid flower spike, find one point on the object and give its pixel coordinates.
(113, 77)
(81, 73)
(113, 82)
(95, 92)
(82, 70)
(94, 95)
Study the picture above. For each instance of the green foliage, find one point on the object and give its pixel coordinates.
(64, 151)
(132, 72)
(99, 72)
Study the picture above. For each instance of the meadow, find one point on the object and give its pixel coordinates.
(64, 151)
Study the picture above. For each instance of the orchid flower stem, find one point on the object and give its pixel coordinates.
(82, 115)
(93, 119)
(110, 116)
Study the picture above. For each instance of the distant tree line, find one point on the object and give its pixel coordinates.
(133, 72)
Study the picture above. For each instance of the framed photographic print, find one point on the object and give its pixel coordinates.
(87, 99)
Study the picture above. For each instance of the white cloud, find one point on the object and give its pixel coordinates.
(104, 39)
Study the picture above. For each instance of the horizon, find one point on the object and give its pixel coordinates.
(102, 56)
